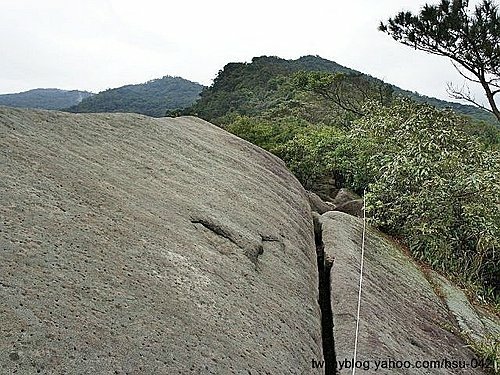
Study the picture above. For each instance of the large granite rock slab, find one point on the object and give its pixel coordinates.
(402, 320)
(133, 245)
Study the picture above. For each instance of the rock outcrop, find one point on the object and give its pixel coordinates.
(134, 245)
(354, 207)
(344, 196)
(317, 204)
(401, 318)
(344, 201)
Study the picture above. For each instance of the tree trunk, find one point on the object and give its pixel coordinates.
(491, 99)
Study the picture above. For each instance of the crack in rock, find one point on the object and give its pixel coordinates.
(325, 264)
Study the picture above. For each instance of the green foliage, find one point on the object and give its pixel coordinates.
(319, 153)
(474, 112)
(274, 88)
(470, 38)
(310, 155)
(349, 92)
(487, 133)
(436, 188)
(153, 98)
(245, 89)
(266, 133)
(430, 183)
(270, 87)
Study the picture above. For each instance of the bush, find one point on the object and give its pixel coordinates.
(311, 154)
(265, 133)
(436, 188)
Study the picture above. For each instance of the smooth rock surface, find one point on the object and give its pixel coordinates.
(354, 207)
(133, 245)
(401, 318)
(476, 323)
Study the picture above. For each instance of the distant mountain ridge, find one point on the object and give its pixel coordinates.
(246, 87)
(44, 98)
(152, 98)
(321, 64)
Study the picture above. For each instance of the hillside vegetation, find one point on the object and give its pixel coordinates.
(431, 175)
(152, 98)
(44, 98)
(252, 88)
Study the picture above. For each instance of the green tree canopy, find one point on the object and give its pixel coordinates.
(470, 38)
(347, 91)
(436, 188)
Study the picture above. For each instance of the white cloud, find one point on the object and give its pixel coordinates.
(95, 44)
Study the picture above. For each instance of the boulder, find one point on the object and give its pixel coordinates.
(134, 245)
(317, 204)
(344, 196)
(325, 188)
(354, 207)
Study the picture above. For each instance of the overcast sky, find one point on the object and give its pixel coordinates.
(98, 44)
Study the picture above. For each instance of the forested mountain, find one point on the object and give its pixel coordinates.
(44, 98)
(256, 87)
(152, 98)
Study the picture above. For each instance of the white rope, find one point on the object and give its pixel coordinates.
(360, 284)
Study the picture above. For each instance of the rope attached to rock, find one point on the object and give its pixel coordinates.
(360, 284)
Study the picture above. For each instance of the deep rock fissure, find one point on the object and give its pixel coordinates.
(324, 268)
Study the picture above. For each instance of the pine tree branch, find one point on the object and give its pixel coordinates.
(463, 74)
(467, 96)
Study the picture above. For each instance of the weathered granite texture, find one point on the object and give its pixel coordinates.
(133, 245)
(401, 317)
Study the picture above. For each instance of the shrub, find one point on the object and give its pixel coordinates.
(436, 188)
